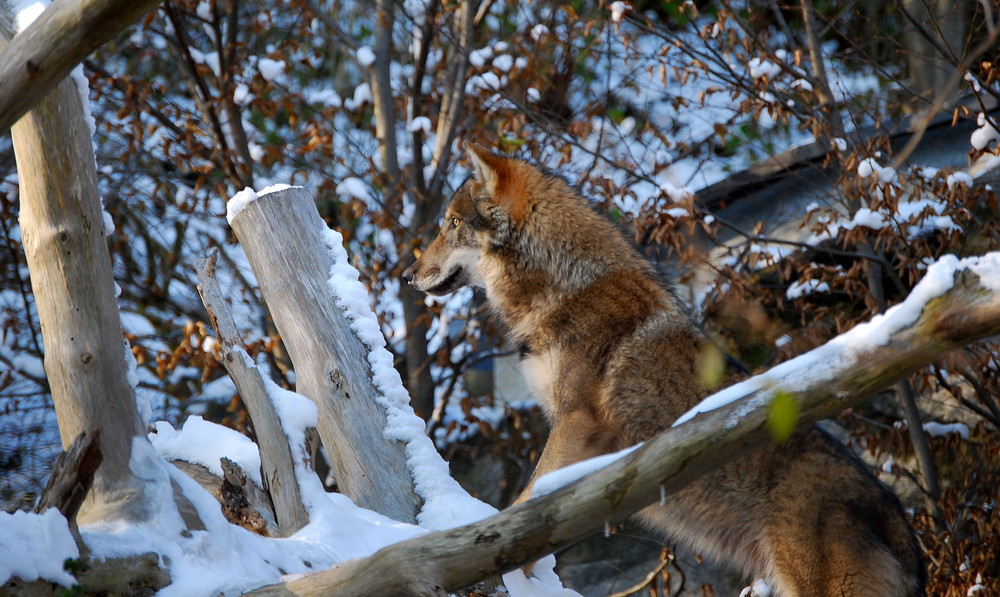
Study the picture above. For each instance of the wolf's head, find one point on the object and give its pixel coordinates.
(481, 216)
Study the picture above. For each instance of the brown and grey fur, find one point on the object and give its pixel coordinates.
(613, 360)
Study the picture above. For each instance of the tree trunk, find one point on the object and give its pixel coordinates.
(282, 235)
(418, 366)
(62, 226)
(934, 38)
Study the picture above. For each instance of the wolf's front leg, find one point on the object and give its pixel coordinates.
(575, 436)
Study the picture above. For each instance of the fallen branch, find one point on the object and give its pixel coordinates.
(449, 560)
(72, 476)
(276, 459)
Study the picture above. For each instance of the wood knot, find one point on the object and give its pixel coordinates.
(86, 358)
(338, 381)
(487, 538)
(33, 69)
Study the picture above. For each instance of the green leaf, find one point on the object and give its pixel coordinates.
(711, 366)
(782, 416)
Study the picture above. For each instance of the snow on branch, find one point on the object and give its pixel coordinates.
(850, 350)
(958, 303)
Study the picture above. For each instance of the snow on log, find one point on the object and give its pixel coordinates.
(285, 242)
(959, 306)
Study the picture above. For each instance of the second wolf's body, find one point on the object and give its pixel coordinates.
(613, 359)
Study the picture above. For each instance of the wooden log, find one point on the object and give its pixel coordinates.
(72, 476)
(38, 58)
(282, 235)
(62, 227)
(133, 576)
(255, 515)
(444, 561)
(276, 459)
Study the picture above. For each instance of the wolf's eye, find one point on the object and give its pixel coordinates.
(455, 222)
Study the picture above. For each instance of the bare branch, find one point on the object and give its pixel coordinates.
(277, 466)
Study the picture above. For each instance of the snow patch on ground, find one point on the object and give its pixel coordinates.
(34, 546)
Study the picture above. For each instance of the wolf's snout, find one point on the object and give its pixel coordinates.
(408, 274)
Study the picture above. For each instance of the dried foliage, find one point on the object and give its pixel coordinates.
(778, 250)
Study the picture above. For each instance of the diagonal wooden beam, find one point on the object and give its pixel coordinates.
(43, 54)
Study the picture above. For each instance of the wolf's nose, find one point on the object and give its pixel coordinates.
(408, 275)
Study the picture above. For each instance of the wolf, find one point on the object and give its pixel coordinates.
(613, 358)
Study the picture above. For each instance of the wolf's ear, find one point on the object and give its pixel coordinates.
(488, 168)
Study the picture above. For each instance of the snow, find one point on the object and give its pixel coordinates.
(365, 56)
(800, 288)
(503, 63)
(26, 11)
(885, 175)
(362, 95)
(759, 588)
(618, 10)
(420, 123)
(761, 67)
(205, 443)
(334, 518)
(296, 412)
(354, 188)
(843, 352)
(676, 193)
(960, 178)
(478, 58)
(985, 134)
(271, 70)
(34, 546)
(326, 97)
(973, 80)
(935, 429)
(142, 403)
(446, 504)
(560, 478)
(543, 583)
(240, 200)
(922, 216)
(242, 95)
(225, 558)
